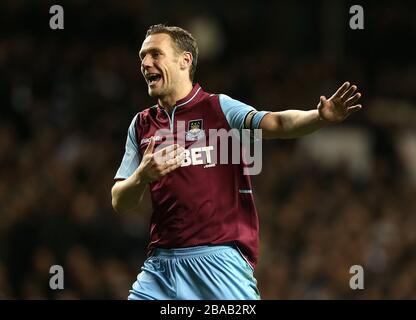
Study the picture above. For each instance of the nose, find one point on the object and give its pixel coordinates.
(146, 62)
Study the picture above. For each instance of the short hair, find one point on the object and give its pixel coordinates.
(182, 39)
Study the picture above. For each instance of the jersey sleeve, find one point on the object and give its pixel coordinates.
(237, 113)
(132, 157)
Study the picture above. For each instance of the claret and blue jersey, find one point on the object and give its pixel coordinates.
(201, 202)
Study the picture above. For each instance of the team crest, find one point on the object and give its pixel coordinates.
(195, 131)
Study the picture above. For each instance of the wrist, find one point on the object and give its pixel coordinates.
(321, 119)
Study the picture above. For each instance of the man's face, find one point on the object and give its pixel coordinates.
(160, 64)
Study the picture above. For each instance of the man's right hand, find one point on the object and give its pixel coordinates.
(156, 165)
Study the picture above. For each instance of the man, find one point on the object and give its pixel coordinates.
(204, 227)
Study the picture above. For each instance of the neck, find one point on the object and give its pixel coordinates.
(168, 102)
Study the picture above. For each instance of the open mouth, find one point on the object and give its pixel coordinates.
(153, 78)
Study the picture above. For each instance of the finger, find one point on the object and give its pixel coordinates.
(322, 100)
(162, 155)
(353, 99)
(150, 147)
(175, 160)
(353, 109)
(349, 93)
(162, 159)
(166, 150)
(175, 153)
(341, 90)
(170, 168)
(171, 158)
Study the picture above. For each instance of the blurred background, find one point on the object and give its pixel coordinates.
(343, 196)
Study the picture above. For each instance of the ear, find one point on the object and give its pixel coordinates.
(186, 60)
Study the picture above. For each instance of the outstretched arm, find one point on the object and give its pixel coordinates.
(296, 123)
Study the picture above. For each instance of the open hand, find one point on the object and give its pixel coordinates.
(340, 105)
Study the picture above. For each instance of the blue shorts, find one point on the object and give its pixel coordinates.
(212, 272)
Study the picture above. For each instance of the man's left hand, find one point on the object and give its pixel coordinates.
(340, 105)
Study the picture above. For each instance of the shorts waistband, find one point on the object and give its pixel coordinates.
(191, 251)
